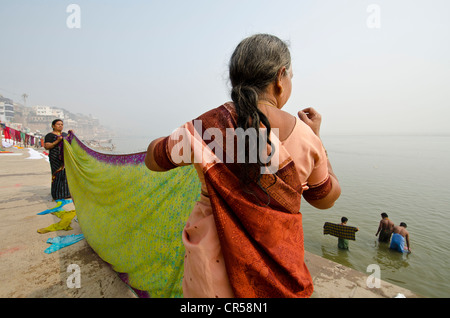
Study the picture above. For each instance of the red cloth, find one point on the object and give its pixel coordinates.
(7, 133)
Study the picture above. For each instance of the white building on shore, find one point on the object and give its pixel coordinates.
(6, 110)
(39, 118)
(48, 111)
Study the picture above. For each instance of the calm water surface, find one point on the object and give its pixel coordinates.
(404, 176)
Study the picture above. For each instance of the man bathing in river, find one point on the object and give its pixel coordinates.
(399, 237)
(385, 228)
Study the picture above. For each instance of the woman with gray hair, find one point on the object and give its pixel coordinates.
(244, 236)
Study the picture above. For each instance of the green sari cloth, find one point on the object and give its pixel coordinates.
(132, 217)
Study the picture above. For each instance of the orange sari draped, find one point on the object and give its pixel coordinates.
(262, 244)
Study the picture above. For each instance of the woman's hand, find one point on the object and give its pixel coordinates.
(51, 145)
(312, 118)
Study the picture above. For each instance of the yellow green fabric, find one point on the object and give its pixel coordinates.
(133, 217)
(63, 225)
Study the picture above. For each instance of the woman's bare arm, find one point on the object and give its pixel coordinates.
(149, 158)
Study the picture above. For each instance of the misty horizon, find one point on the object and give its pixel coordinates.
(144, 69)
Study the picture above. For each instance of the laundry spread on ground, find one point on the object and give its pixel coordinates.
(59, 242)
(58, 207)
(63, 225)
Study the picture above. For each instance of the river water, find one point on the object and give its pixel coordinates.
(404, 176)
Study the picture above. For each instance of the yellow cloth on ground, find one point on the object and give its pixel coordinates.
(66, 219)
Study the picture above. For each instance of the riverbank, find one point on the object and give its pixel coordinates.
(27, 272)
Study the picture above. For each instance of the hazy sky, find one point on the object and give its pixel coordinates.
(146, 67)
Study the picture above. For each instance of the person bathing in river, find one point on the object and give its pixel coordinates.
(343, 243)
(399, 236)
(385, 228)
